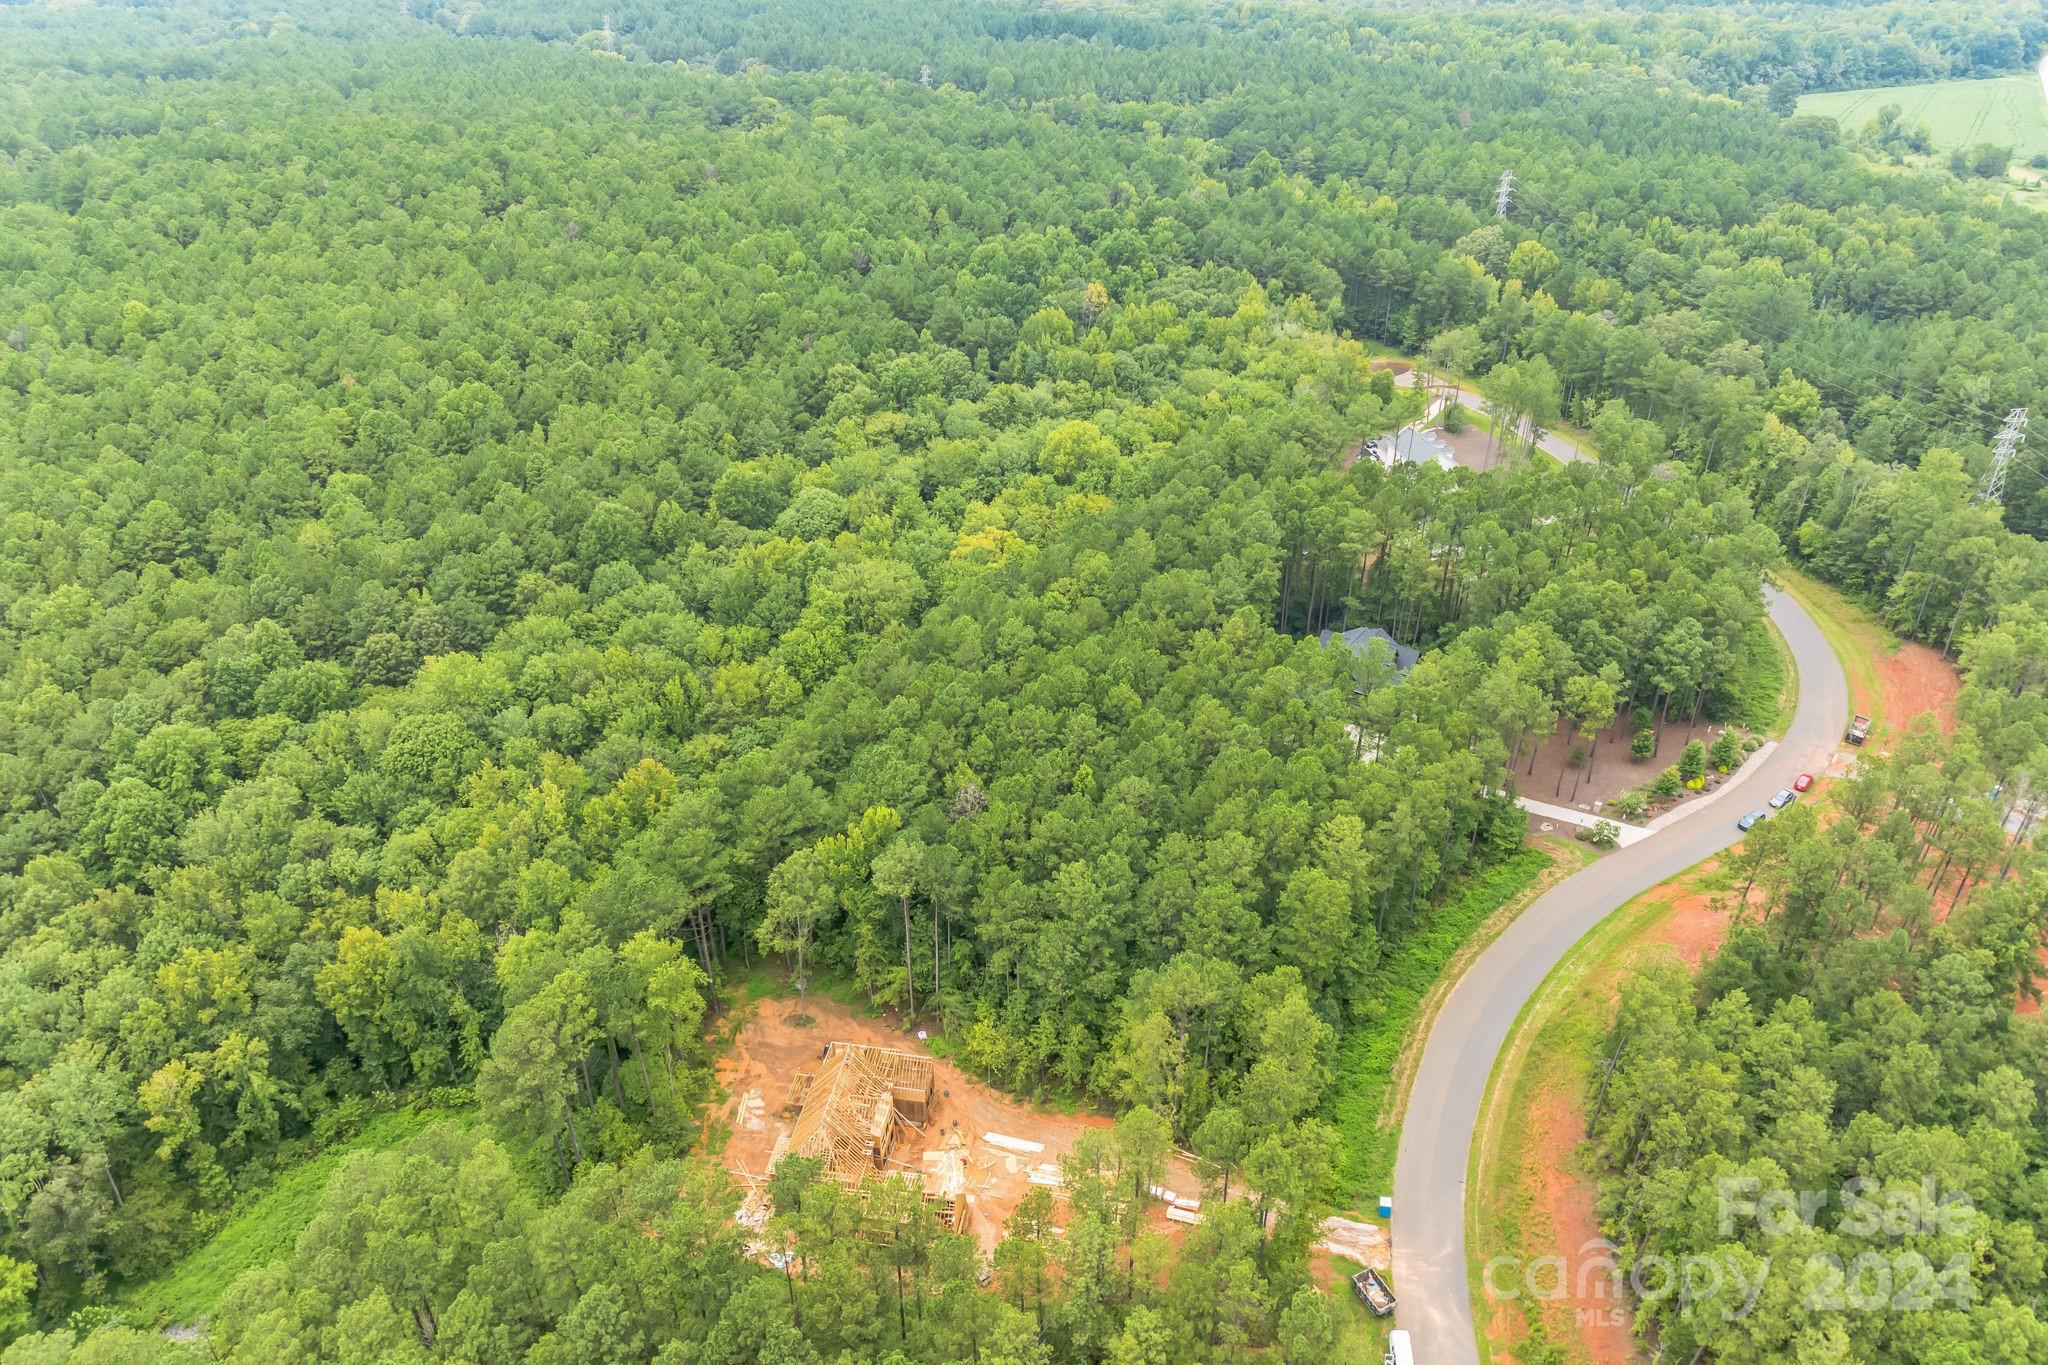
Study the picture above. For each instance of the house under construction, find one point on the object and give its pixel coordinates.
(853, 1109)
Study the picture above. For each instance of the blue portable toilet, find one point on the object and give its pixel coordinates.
(1386, 1206)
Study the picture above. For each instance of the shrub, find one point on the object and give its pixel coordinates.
(1644, 744)
(1692, 762)
(1726, 754)
(1667, 785)
(1629, 805)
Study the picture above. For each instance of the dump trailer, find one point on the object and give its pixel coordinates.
(1369, 1287)
(1859, 730)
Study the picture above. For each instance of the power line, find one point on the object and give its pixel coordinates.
(1803, 356)
(2010, 438)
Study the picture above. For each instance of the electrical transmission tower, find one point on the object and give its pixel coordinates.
(1504, 197)
(2011, 437)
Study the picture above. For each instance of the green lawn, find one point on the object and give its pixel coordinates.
(2007, 110)
(265, 1228)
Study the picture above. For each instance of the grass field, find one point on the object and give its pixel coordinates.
(266, 1227)
(2007, 110)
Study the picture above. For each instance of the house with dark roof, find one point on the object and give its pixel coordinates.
(1359, 639)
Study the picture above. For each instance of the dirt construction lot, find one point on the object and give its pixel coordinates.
(756, 1073)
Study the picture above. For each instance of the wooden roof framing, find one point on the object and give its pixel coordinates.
(849, 1108)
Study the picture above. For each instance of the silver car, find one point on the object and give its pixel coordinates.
(1783, 797)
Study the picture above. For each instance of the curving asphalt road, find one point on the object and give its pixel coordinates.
(1443, 1108)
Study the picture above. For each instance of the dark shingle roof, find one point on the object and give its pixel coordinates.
(1359, 638)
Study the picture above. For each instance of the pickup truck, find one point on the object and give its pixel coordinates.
(1859, 730)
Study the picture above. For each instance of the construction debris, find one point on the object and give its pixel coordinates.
(1176, 1214)
(809, 1088)
(945, 1181)
(1012, 1144)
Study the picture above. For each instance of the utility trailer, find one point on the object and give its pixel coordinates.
(1859, 730)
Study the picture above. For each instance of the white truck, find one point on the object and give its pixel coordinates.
(1399, 1350)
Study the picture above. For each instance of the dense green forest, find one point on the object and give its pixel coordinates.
(1855, 1039)
(513, 516)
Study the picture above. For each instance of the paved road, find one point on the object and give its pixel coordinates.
(1436, 1132)
(1548, 442)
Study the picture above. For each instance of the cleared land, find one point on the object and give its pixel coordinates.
(2007, 110)
(758, 1074)
(1890, 681)
(1534, 1194)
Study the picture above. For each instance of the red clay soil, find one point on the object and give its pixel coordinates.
(1917, 680)
(756, 1072)
(1694, 930)
(1592, 1313)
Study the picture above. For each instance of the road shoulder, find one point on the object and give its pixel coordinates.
(1533, 1196)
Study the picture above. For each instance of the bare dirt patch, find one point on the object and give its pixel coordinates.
(1917, 680)
(757, 1070)
(1475, 449)
(1695, 928)
(1590, 1309)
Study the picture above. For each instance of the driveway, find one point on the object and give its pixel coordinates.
(1446, 393)
(1443, 1108)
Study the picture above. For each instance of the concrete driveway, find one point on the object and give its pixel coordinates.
(1443, 1108)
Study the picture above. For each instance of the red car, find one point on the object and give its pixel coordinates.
(1802, 782)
